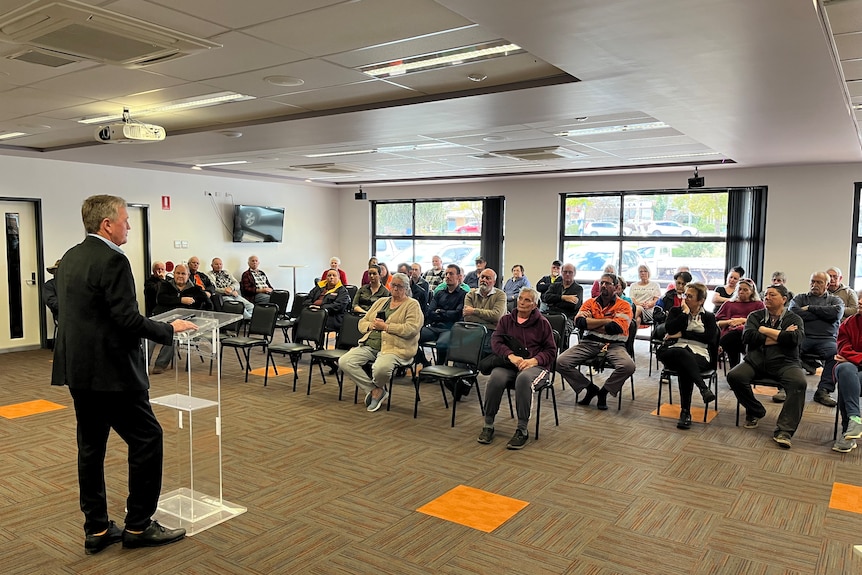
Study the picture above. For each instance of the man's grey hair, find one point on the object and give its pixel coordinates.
(534, 293)
(96, 208)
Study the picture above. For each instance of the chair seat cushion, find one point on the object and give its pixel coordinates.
(290, 348)
(329, 353)
(446, 372)
(243, 341)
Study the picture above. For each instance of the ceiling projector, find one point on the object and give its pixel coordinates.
(129, 133)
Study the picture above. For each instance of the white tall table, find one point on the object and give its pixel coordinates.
(197, 503)
(293, 267)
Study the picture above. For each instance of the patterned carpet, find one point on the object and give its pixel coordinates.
(332, 489)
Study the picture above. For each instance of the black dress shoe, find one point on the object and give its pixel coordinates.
(602, 403)
(95, 543)
(153, 536)
(684, 419)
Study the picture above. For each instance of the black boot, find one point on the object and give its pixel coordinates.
(592, 391)
(684, 419)
(706, 392)
(602, 403)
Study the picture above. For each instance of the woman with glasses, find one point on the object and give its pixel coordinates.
(732, 316)
(391, 339)
(370, 292)
(691, 329)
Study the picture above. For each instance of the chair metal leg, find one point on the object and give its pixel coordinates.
(509, 395)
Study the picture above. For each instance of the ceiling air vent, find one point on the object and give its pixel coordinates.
(93, 33)
(540, 154)
(328, 168)
(43, 58)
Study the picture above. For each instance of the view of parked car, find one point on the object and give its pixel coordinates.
(590, 263)
(670, 228)
(602, 229)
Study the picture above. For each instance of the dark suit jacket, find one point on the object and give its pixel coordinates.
(98, 345)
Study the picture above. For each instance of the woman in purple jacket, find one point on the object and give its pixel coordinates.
(731, 318)
(523, 338)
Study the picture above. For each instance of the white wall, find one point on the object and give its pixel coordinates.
(808, 225)
(311, 214)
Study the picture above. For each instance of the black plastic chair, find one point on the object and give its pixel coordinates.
(465, 349)
(311, 329)
(709, 375)
(260, 330)
(348, 338)
(296, 308)
(351, 290)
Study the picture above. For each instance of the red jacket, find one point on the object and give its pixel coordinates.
(850, 339)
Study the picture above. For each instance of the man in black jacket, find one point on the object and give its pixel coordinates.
(565, 296)
(98, 355)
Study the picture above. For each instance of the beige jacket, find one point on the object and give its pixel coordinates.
(489, 309)
(402, 329)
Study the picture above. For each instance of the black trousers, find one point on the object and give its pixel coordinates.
(688, 366)
(129, 414)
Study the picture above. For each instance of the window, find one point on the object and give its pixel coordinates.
(854, 275)
(416, 231)
(663, 230)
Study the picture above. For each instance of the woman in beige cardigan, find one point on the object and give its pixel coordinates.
(392, 336)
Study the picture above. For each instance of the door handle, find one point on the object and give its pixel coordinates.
(32, 280)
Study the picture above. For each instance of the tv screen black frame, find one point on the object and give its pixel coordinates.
(257, 224)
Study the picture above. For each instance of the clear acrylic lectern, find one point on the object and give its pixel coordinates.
(198, 503)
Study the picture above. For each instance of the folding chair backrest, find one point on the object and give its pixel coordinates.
(351, 290)
(558, 323)
(311, 326)
(349, 335)
(263, 320)
(298, 305)
(280, 298)
(630, 342)
(466, 343)
(233, 306)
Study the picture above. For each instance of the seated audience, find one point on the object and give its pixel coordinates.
(472, 278)
(672, 285)
(523, 338)
(513, 286)
(255, 286)
(848, 374)
(385, 276)
(694, 331)
(549, 279)
(370, 292)
(419, 287)
(446, 307)
(331, 295)
(391, 339)
(772, 335)
(486, 304)
(203, 281)
(565, 296)
(151, 287)
(335, 264)
(779, 278)
(597, 290)
(404, 268)
(371, 262)
(227, 287)
(732, 317)
(606, 321)
(435, 275)
(645, 295)
(674, 296)
(842, 292)
(821, 314)
(177, 292)
(723, 293)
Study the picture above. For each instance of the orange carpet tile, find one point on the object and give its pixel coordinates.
(282, 370)
(474, 508)
(29, 408)
(672, 412)
(846, 498)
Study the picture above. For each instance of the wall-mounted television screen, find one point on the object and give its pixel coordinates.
(252, 224)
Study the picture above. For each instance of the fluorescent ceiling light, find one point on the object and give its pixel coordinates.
(442, 59)
(185, 104)
(347, 153)
(231, 163)
(415, 147)
(613, 129)
(9, 135)
(673, 156)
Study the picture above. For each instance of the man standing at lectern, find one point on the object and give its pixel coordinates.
(98, 354)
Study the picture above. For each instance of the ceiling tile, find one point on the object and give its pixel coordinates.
(849, 45)
(315, 73)
(173, 19)
(106, 82)
(352, 25)
(845, 16)
(239, 53)
(20, 102)
(356, 94)
(236, 14)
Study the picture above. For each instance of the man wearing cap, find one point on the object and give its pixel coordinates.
(49, 292)
(472, 278)
(547, 281)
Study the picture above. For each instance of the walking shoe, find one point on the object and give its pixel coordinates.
(822, 397)
(153, 536)
(782, 438)
(780, 396)
(486, 436)
(842, 445)
(854, 430)
(157, 370)
(592, 391)
(708, 395)
(377, 402)
(750, 422)
(518, 440)
(367, 399)
(95, 543)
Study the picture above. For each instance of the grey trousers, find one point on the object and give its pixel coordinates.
(351, 364)
(618, 358)
(500, 379)
(792, 379)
